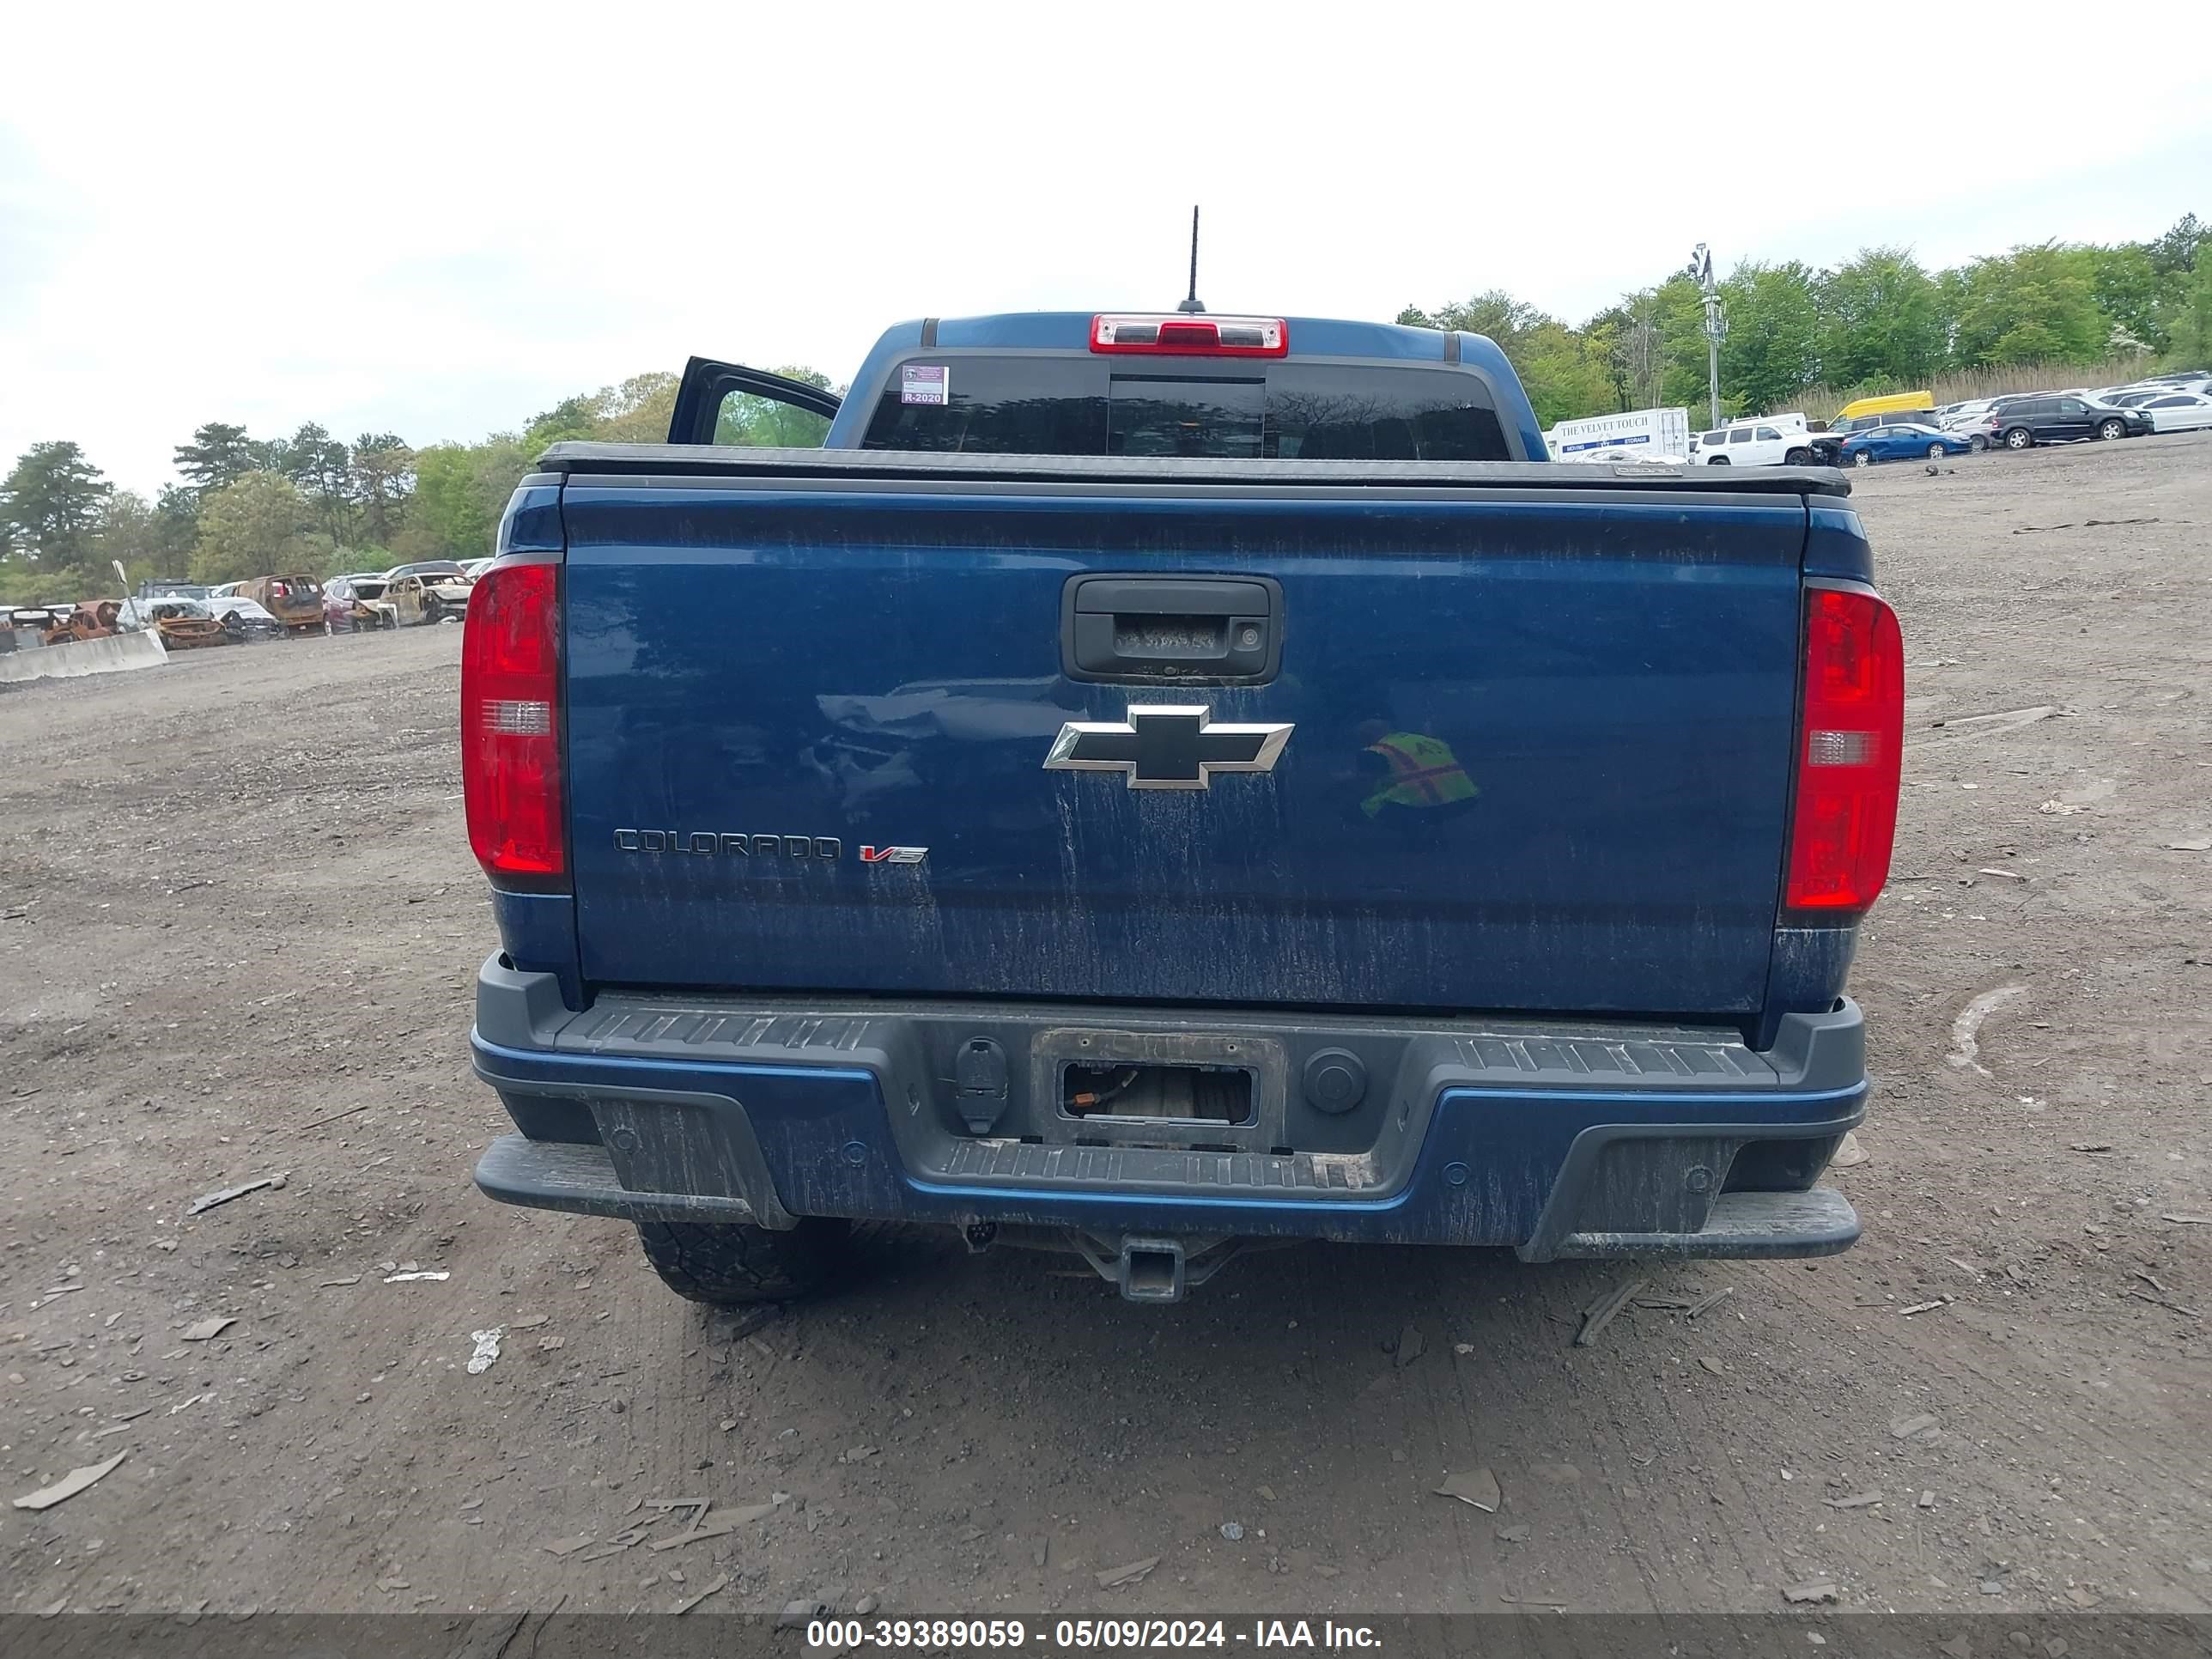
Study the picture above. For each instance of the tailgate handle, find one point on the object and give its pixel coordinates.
(1150, 629)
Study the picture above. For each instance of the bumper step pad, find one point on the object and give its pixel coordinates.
(559, 1175)
(1821, 1222)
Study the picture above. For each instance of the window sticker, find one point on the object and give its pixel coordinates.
(924, 383)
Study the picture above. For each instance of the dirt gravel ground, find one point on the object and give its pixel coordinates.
(241, 926)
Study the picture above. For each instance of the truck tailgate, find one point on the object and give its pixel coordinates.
(1539, 754)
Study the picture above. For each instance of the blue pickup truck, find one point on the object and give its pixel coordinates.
(1153, 784)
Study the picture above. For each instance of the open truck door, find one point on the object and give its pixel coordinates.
(728, 404)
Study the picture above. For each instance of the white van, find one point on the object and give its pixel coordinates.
(1768, 441)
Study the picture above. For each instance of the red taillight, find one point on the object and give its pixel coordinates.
(511, 724)
(1850, 743)
(1183, 336)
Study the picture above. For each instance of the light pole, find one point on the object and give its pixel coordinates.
(1701, 266)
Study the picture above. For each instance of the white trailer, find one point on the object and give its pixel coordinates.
(1641, 435)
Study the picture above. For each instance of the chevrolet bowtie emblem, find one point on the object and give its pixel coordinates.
(1165, 747)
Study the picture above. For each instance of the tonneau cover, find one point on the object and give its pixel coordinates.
(794, 465)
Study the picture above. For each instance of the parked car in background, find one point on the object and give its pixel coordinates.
(475, 567)
(38, 621)
(2136, 390)
(2134, 397)
(87, 619)
(1905, 441)
(1981, 430)
(245, 618)
(424, 568)
(179, 623)
(295, 601)
(1864, 414)
(1955, 418)
(224, 590)
(2178, 411)
(58, 622)
(1772, 441)
(2023, 423)
(351, 603)
(430, 597)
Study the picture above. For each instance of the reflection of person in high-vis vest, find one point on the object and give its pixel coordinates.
(1417, 775)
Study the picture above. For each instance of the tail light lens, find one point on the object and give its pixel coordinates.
(1851, 733)
(1171, 333)
(511, 726)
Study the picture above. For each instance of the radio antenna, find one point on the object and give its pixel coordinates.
(1191, 302)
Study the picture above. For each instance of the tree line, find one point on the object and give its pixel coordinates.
(248, 506)
(309, 503)
(1880, 323)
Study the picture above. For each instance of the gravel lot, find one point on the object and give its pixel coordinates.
(242, 927)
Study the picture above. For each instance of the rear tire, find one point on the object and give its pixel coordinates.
(2018, 438)
(732, 1265)
(1718, 460)
(2110, 431)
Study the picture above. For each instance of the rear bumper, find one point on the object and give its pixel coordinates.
(556, 1175)
(1592, 1139)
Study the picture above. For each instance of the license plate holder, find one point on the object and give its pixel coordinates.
(1260, 1059)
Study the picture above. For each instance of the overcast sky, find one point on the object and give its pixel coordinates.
(439, 222)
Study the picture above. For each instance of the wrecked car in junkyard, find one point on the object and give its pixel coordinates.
(296, 602)
(351, 603)
(429, 597)
(246, 618)
(180, 624)
(59, 624)
(91, 619)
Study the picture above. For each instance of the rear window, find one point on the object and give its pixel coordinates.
(1059, 405)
